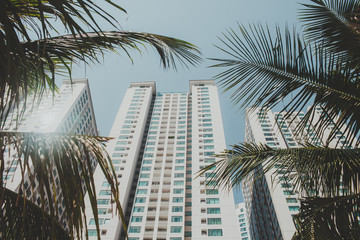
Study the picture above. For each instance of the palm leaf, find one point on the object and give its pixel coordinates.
(335, 24)
(267, 69)
(22, 219)
(61, 165)
(325, 171)
(328, 218)
(27, 64)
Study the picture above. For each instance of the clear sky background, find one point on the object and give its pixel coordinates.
(199, 22)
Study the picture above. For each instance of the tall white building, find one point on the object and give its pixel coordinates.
(243, 221)
(272, 202)
(161, 140)
(68, 111)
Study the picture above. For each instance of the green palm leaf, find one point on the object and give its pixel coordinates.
(60, 165)
(327, 171)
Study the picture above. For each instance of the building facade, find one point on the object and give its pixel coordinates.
(161, 140)
(271, 200)
(68, 111)
(243, 221)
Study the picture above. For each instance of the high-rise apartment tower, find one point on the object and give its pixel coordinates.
(272, 201)
(243, 221)
(161, 140)
(68, 111)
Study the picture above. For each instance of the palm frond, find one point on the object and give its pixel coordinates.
(26, 63)
(311, 169)
(334, 23)
(22, 219)
(328, 218)
(56, 172)
(267, 69)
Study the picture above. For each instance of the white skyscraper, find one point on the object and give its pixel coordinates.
(69, 111)
(243, 221)
(271, 202)
(161, 140)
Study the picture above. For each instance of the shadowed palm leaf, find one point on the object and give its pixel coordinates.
(325, 170)
(322, 70)
(27, 63)
(59, 165)
(334, 23)
(329, 218)
(266, 70)
(22, 219)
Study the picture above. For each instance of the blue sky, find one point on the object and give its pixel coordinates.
(199, 22)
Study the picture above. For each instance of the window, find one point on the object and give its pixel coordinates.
(179, 168)
(115, 155)
(188, 234)
(145, 175)
(147, 161)
(134, 229)
(102, 211)
(178, 200)
(177, 208)
(105, 184)
(178, 191)
(176, 219)
(208, 135)
(175, 229)
(178, 175)
(287, 192)
(214, 221)
(141, 191)
(209, 160)
(286, 185)
(103, 201)
(105, 193)
(213, 210)
(180, 154)
(209, 153)
(136, 219)
(294, 208)
(143, 183)
(212, 192)
(140, 200)
(92, 232)
(212, 201)
(179, 161)
(209, 141)
(178, 183)
(138, 209)
(215, 232)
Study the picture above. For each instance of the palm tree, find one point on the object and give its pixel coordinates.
(319, 66)
(32, 55)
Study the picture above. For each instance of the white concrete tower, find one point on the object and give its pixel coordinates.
(272, 201)
(161, 141)
(243, 221)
